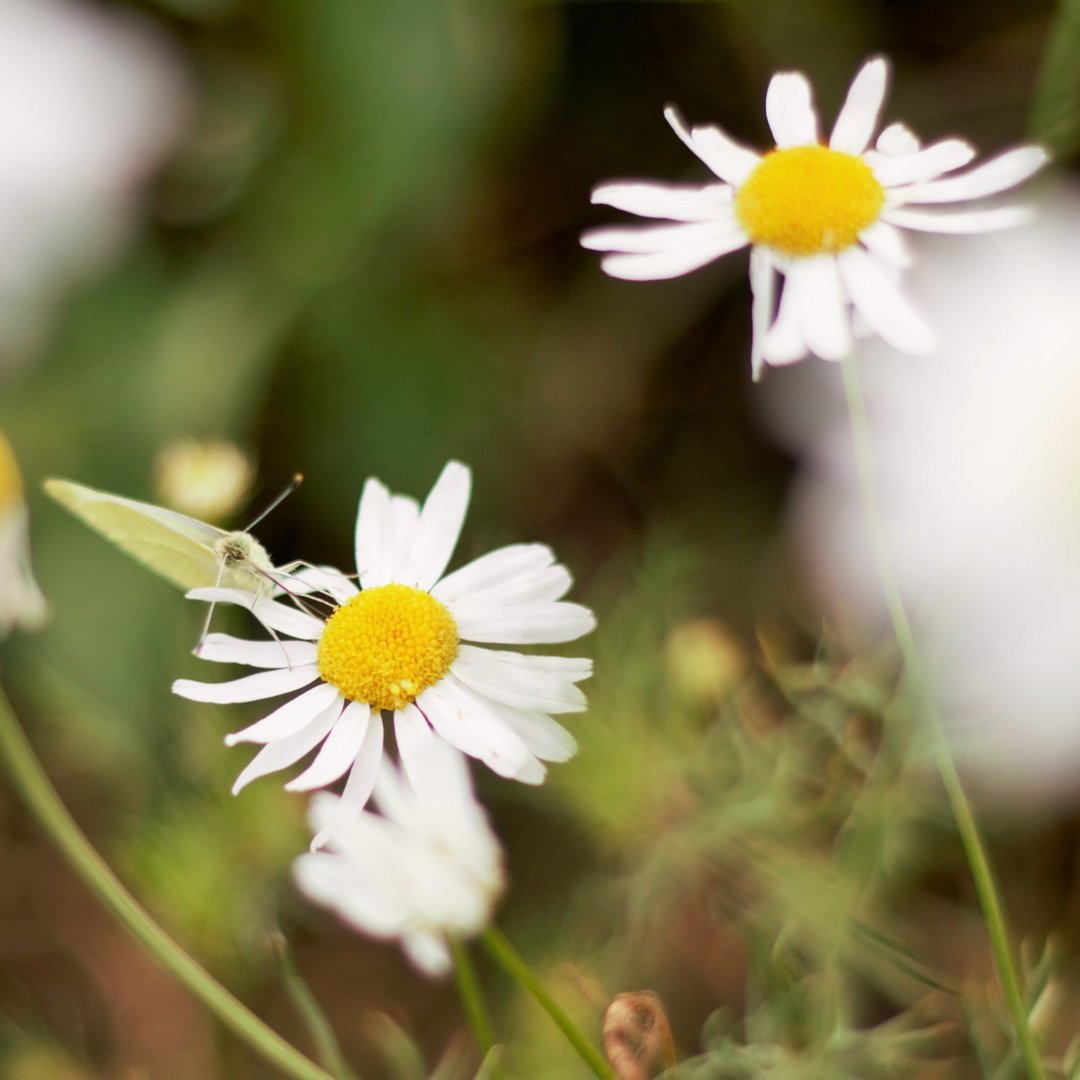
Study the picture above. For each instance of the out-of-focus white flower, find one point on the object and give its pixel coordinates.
(90, 100)
(977, 457)
(21, 602)
(827, 218)
(427, 867)
(207, 480)
(396, 644)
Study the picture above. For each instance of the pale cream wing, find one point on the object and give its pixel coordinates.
(172, 545)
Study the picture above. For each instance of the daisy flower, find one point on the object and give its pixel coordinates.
(828, 219)
(426, 868)
(398, 644)
(977, 459)
(21, 602)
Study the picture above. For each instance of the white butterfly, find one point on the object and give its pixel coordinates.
(183, 550)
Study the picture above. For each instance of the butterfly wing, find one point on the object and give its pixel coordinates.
(177, 547)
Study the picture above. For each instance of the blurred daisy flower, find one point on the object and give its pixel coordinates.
(828, 219)
(426, 867)
(398, 644)
(21, 602)
(91, 101)
(977, 457)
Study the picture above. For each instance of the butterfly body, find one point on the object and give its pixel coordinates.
(181, 549)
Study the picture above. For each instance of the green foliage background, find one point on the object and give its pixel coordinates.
(363, 260)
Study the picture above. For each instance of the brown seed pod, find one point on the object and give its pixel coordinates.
(637, 1035)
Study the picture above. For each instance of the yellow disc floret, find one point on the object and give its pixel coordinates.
(808, 200)
(11, 488)
(387, 645)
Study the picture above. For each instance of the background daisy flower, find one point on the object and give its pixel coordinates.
(978, 456)
(428, 866)
(21, 602)
(827, 218)
(398, 643)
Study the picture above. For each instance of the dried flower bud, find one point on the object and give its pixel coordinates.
(207, 480)
(637, 1035)
(704, 661)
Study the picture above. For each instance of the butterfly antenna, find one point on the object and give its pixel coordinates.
(290, 487)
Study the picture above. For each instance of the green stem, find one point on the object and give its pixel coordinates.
(472, 996)
(40, 796)
(307, 1005)
(992, 909)
(511, 962)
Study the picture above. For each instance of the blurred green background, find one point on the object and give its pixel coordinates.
(362, 259)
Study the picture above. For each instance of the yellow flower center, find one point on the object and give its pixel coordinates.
(808, 200)
(11, 487)
(388, 644)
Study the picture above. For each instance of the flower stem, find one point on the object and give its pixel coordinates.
(977, 858)
(472, 996)
(511, 962)
(40, 796)
(307, 1005)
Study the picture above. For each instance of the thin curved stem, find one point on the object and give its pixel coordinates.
(981, 872)
(508, 958)
(43, 801)
(472, 996)
(328, 1049)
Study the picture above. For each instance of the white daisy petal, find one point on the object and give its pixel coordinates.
(404, 515)
(965, 222)
(655, 238)
(276, 616)
(730, 160)
(427, 951)
(374, 536)
(321, 579)
(524, 682)
(784, 343)
(676, 202)
(763, 287)
(493, 570)
(414, 736)
(250, 688)
(886, 242)
(365, 766)
(289, 718)
(464, 721)
(897, 140)
(325, 878)
(224, 649)
(439, 526)
(281, 753)
(924, 165)
(660, 266)
(526, 624)
(789, 109)
(438, 774)
(995, 176)
(552, 584)
(823, 317)
(546, 739)
(878, 301)
(855, 125)
(337, 754)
